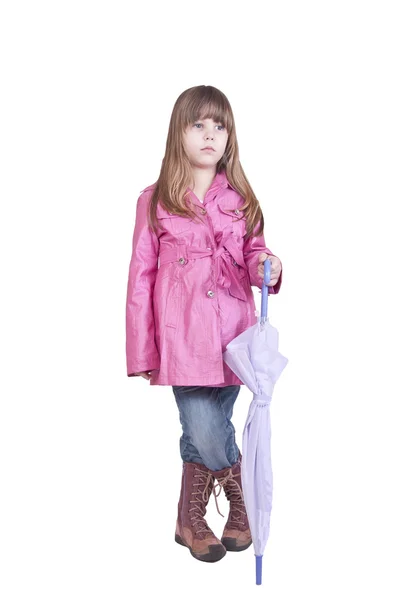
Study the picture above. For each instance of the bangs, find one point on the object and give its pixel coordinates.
(214, 108)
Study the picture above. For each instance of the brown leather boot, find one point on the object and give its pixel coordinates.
(192, 529)
(236, 535)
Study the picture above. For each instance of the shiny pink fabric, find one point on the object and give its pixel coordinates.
(189, 290)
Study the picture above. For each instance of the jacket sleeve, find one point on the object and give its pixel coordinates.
(252, 248)
(141, 351)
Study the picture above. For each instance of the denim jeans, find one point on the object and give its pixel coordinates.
(208, 434)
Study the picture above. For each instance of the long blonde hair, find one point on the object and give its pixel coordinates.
(194, 104)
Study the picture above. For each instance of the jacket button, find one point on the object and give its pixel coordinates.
(203, 211)
(234, 263)
(210, 294)
(182, 260)
(236, 211)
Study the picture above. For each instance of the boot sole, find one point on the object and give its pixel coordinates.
(230, 545)
(216, 552)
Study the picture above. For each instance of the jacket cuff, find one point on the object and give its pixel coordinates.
(151, 364)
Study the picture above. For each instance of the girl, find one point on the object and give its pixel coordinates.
(198, 247)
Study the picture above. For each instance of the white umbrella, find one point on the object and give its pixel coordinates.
(254, 357)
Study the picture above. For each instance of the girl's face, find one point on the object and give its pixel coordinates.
(202, 134)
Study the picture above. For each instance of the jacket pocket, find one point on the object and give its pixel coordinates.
(173, 223)
(241, 272)
(231, 216)
(173, 304)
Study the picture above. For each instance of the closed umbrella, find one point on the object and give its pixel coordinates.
(254, 357)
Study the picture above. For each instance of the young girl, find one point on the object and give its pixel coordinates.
(198, 247)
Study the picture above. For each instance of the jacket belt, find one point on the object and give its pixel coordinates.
(223, 255)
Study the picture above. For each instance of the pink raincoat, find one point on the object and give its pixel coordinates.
(189, 290)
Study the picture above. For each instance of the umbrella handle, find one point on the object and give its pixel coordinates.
(264, 290)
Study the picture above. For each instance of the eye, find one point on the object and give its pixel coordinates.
(195, 124)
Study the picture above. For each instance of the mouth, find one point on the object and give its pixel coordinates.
(208, 148)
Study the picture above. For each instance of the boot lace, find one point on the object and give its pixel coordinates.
(234, 495)
(206, 479)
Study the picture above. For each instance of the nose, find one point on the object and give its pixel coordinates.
(209, 134)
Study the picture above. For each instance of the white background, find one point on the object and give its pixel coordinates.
(90, 464)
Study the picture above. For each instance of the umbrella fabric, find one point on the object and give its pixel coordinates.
(256, 360)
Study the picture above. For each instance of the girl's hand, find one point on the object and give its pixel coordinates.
(276, 267)
(145, 374)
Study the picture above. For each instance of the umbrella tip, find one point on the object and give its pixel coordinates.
(259, 568)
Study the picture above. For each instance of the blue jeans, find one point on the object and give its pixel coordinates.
(208, 435)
